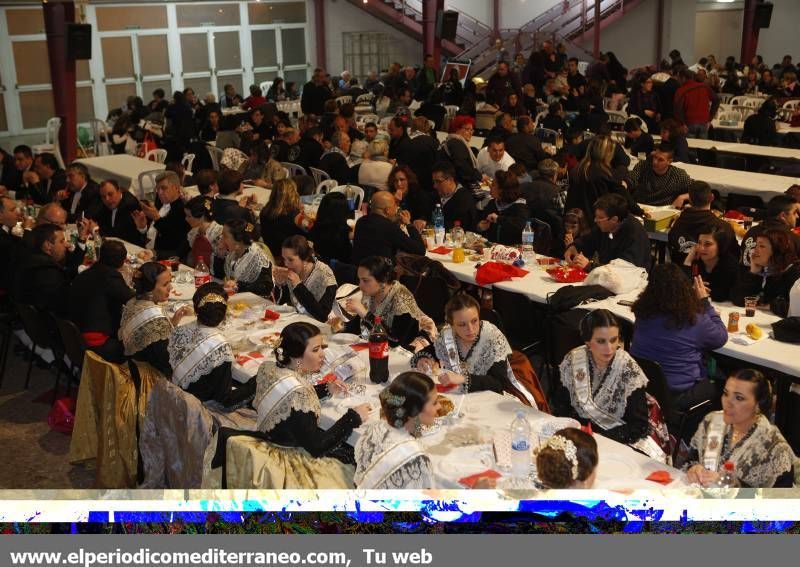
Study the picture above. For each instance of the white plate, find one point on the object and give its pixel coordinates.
(344, 339)
(463, 461)
(256, 337)
(614, 467)
(282, 308)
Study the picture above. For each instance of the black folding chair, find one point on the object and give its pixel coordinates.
(40, 330)
(6, 332)
(74, 348)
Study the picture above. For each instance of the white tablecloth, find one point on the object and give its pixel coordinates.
(123, 168)
(483, 413)
(537, 284)
(727, 181)
(745, 149)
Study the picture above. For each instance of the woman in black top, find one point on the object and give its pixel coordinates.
(504, 217)
(774, 268)
(404, 185)
(211, 127)
(278, 218)
(645, 103)
(330, 233)
(709, 260)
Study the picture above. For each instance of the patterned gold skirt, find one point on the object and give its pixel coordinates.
(254, 463)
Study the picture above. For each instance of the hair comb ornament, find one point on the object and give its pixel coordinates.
(392, 399)
(559, 443)
(249, 227)
(212, 298)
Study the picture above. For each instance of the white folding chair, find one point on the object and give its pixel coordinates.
(644, 124)
(215, 154)
(100, 131)
(737, 100)
(450, 110)
(323, 187)
(792, 104)
(744, 111)
(345, 99)
(293, 168)
(146, 183)
(365, 99)
(187, 162)
(158, 156)
(265, 86)
(546, 135)
(318, 175)
(50, 145)
(359, 193)
(724, 98)
(730, 117)
(784, 114)
(753, 102)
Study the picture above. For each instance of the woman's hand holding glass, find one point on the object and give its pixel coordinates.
(428, 366)
(447, 378)
(353, 305)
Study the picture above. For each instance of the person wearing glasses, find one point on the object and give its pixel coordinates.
(385, 230)
(616, 234)
(457, 202)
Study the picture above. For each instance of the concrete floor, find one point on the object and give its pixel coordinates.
(34, 456)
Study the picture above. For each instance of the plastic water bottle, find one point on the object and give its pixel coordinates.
(528, 253)
(438, 224)
(202, 274)
(520, 446)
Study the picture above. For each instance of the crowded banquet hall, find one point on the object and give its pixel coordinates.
(320, 244)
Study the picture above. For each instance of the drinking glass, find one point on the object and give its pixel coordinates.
(750, 304)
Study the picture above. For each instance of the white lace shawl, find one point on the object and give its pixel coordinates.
(248, 266)
(137, 339)
(302, 400)
(398, 301)
(317, 282)
(760, 457)
(492, 347)
(611, 393)
(195, 351)
(375, 439)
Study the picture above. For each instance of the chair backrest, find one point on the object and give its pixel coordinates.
(187, 162)
(784, 114)
(36, 325)
(793, 104)
(265, 86)
(351, 190)
(345, 99)
(72, 341)
(656, 382)
(147, 182)
(724, 98)
(744, 111)
(752, 102)
(450, 110)
(644, 124)
(294, 169)
(539, 117)
(737, 101)
(215, 154)
(51, 132)
(100, 132)
(319, 175)
(546, 135)
(325, 186)
(730, 116)
(367, 118)
(365, 98)
(158, 156)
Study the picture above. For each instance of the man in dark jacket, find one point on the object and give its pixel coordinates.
(311, 148)
(47, 180)
(96, 297)
(9, 244)
(457, 202)
(379, 234)
(523, 146)
(501, 84)
(226, 206)
(400, 148)
(115, 216)
(315, 93)
(81, 196)
(615, 235)
(685, 231)
(334, 161)
(167, 217)
(42, 280)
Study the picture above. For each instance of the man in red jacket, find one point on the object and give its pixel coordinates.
(695, 105)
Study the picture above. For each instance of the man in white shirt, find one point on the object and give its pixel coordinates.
(494, 158)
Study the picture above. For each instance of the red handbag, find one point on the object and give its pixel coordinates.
(62, 416)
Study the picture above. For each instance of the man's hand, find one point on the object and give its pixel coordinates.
(139, 219)
(580, 261)
(150, 211)
(404, 217)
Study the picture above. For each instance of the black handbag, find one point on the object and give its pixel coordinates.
(571, 296)
(787, 330)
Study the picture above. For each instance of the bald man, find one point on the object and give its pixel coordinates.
(385, 230)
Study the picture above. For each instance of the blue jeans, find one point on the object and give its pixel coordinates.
(698, 131)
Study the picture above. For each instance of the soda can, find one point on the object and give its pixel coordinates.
(733, 322)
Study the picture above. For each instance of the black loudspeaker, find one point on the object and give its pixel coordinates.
(446, 24)
(763, 15)
(79, 41)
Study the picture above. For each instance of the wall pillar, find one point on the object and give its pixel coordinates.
(62, 74)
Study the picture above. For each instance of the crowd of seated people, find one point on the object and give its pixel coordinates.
(588, 192)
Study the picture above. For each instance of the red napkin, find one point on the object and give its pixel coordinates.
(442, 388)
(243, 359)
(469, 481)
(441, 250)
(270, 315)
(358, 347)
(587, 428)
(735, 215)
(493, 272)
(567, 275)
(330, 377)
(661, 477)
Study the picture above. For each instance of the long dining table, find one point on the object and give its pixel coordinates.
(537, 285)
(459, 445)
